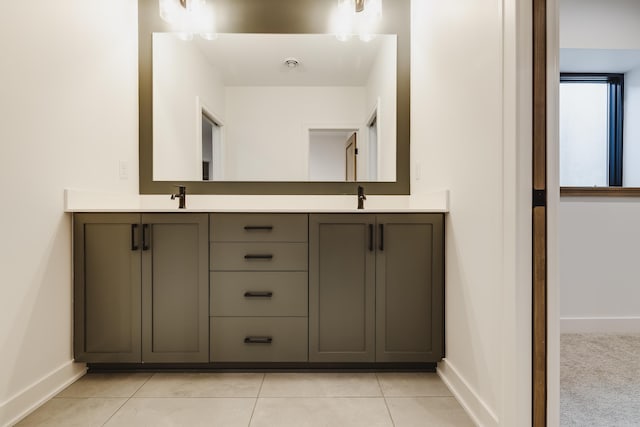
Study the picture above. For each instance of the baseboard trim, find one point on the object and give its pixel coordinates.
(477, 409)
(32, 397)
(602, 325)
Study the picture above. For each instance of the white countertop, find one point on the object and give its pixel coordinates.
(86, 201)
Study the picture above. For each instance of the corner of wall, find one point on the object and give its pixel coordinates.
(28, 400)
(472, 403)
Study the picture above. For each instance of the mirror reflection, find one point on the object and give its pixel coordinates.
(274, 107)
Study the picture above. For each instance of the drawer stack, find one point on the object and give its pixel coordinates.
(259, 287)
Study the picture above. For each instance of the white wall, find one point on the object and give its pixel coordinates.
(467, 61)
(631, 138)
(599, 253)
(600, 24)
(275, 147)
(382, 86)
(69, 115)
(597, 237)
(181, 73)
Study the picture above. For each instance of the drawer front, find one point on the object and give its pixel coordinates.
(258, 256)
(259, 339)
(259, 227)
(259, 294)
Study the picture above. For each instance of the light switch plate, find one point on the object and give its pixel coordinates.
(123, 169)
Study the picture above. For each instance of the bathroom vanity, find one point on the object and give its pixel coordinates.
(282, 289)
(291, 284)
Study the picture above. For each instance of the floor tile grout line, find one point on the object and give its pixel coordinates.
(377, 396)
(264, 375)
(153, 374)
(420, 396)
(191, 397)
(127, 400)
(384, 398)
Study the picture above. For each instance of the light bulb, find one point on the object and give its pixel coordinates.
(196, 17)
(364, 23)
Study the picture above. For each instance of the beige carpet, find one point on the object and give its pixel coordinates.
(600, 380)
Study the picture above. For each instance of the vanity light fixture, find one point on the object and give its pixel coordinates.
(189, 17)
(359, 17)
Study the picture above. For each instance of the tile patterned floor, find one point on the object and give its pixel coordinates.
(253, 399)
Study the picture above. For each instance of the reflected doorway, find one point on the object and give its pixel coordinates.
(212, 169)
(333, 154)
(351, 165)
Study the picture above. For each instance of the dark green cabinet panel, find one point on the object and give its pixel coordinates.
(341, 288)
(409, 288)
(258, 256)
(376, 288)
(175, 289)
(259, 287)
(259, 339)
(258, 227)
(141, 288)
(259, 293)
(107, 288)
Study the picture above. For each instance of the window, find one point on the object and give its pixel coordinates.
(591, 124)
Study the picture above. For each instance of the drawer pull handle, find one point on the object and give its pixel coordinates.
(258, 256)
(258, 294)
(259, 227)
(258, 340)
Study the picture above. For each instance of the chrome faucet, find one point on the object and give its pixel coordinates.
(361, 197)
(182, 196)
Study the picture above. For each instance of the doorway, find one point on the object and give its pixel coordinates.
(351, 161)
(333, 154)
(212, 164)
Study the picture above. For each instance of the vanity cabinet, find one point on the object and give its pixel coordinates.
(141, 288)
(107, 288)
(341, 288)
(376, 285)
(259, 297)
(260, 288)
(410, 288)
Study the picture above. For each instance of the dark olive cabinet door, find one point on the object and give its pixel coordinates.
(409, 288)
(175, 288)
(107, 288)
(341, 288)
(141, 288)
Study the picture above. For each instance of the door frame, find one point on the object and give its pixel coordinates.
(545, 202)
(539, 216)
(347, 147)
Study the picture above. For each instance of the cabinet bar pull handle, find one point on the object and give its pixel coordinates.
(381, 237)
(134, 229)
(258, 227)
(258, 294)
(370, 237)
(145, 243)
(258, 256)
(258, 340)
